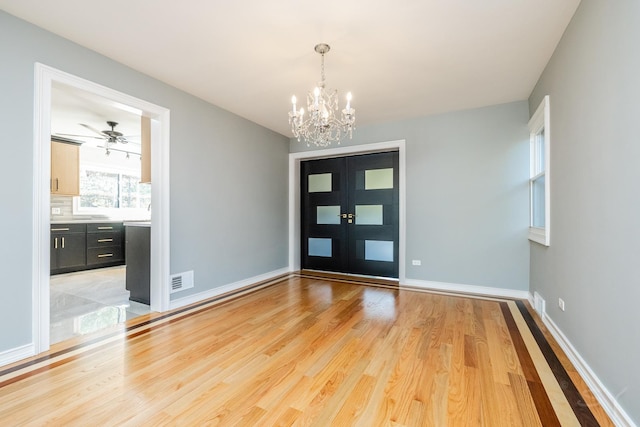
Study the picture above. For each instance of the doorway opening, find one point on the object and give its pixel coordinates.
(46, 78)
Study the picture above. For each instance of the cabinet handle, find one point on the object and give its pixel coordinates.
(57, 184)
(104, 240)
(55, 243)
(63, 243)
(60, 229)
(105, 228)
(104, 255)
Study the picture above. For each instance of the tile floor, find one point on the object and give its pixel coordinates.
(87, 301)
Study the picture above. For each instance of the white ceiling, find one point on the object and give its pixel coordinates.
(400, 58)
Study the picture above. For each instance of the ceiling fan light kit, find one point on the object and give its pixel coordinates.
(322, 126)
(115, 136)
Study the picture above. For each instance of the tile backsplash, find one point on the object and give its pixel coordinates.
(65, 204)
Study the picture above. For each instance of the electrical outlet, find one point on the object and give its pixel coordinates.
(55, 211)
(561, 304)
(416, 262)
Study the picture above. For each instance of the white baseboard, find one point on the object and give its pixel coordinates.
(606, 399)
(211, 293)
(18, 353)
(467, 289)
(530, 299)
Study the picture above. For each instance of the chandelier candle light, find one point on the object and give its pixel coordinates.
(322, 126)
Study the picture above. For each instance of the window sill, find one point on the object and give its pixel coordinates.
(539, 235)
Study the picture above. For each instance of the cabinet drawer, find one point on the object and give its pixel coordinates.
(101, 227)
(101, 240)
(105, 255)
(67, 228)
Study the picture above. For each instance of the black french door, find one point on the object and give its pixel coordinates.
(350, 214)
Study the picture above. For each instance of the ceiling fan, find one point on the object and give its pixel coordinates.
(111, 136)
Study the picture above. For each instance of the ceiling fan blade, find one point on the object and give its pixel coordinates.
(91, 128)
(78, 136)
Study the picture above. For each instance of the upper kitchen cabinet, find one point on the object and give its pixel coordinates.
(65, 168)
(145, 153)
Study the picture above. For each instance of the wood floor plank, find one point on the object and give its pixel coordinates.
(298, 351)
(403, 382)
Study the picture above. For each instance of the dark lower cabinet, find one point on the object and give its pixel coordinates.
(71, 253)
(68, 247)
(105, 244)
(138, 259)
(82, 246)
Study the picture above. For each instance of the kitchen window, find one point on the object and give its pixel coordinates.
(111, 192)
(539, 181)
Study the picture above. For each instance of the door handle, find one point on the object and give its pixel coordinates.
(55, 243)
(63, 243)
(348, 216)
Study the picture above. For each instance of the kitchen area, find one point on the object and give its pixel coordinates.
(100, 214)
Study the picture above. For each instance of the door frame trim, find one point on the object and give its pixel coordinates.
(45, 77)
(294, 194)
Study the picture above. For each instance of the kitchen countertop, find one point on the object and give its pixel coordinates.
(137, 223)
(81, 221)
(93, 221)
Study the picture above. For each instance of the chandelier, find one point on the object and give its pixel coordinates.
(322, 126)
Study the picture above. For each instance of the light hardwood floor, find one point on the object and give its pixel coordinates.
(307, 351)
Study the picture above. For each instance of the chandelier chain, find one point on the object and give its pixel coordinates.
(322, 71)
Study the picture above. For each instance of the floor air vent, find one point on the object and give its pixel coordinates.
(539, 304)
(181, 281)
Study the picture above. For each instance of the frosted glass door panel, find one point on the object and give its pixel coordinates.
(328, 215)
(369, 215)
(378, 179)
(320, 183)
(378, 250)
(319, 247)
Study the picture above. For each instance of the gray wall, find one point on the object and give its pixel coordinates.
(467, 194)
(228, 175)
(593, 80)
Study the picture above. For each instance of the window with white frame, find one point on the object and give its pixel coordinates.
(111, 192)
(540, 141)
